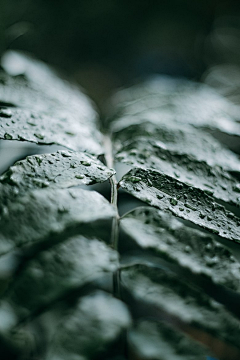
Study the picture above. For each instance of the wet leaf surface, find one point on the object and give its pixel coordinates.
(184, 201)
(159, 341)
(61, 170)
(45, 109)
(161, 233)
(89, 328)
(51, 215)
(179, 138)
(184, 101)
(178, 300)
(57, 271)
(147, 155)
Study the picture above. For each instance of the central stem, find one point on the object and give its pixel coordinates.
(115, 223)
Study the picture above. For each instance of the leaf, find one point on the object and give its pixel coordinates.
(21, 124)
(195, 205)
(45, 109)
(58, 270)
(150, 340)
(177, 299)
(89, 328)
(183, 167)
(184, 101)
(47, 216)
(61, 170)
(173, 136)
(166, 237)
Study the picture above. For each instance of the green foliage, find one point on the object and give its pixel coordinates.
(77, 281)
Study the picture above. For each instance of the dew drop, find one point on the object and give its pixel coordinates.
(173, 201)
(39, 136)
(85, 163)
(7, 136)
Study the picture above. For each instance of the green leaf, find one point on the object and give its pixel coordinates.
(24, 125)
(58, 270)
(173, 136)
(159, 341)
(46, 109)
(181, 100)
(166, 237)
(195, 205)
(89, 328)
(183, 167)
(178, 300)
(49, 215)
(61, 169)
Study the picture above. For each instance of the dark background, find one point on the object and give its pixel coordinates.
(109, 43)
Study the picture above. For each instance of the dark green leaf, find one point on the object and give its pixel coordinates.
(168, 238)
(147, 155)
(46, 109)
(61, 169)
(89, 328)
(173, 136)
(177, 299)
(52, 215)
(36, 127)
(183, 101)
(150, 340)
(195, 205)
(58, 270)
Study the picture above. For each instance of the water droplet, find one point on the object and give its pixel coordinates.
(69, 133)
(39, 136)
(209, 246)
(7, 136)
(5, 113)
(189, 206)
(39, 159)
(85, 163)
(30, 160)
(79, 176)
(149, 182)
(173, 201)
(236, 188)
(66, 154)
(187, 249)
(31, 123)
(160, 197)
(134, 179)
(62, 209)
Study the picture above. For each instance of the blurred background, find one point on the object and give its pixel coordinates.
(109, 43)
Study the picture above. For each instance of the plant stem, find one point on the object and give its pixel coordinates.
(115, 224)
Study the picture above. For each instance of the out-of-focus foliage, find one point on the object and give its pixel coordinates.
(109, 43)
